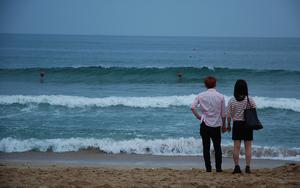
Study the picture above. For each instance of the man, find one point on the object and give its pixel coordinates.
(212, 107)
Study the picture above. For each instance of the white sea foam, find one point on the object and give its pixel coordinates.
(171, 146)
(140, 102)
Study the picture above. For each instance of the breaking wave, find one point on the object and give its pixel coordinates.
(171, 146)
(137, 102)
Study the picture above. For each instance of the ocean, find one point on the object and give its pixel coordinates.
(121, 94)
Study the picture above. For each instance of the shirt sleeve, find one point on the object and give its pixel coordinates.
(195, 103)
(223, 113)
(252, 102)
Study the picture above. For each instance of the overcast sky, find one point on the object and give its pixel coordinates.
(251, 18)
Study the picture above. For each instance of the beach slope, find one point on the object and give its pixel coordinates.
(62, 176)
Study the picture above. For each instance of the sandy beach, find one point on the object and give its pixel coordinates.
(92, 169)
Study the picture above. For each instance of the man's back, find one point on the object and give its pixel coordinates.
(212, 106)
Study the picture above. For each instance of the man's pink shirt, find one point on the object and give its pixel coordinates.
(212, 106)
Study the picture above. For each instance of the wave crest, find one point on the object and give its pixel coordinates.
(171, 146)
(137, 102)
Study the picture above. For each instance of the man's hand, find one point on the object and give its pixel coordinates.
(224, 129)
(224, 124)
(199, 117)
(196, 114)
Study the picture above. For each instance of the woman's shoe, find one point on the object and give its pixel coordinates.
(247, 170)
(237, 169)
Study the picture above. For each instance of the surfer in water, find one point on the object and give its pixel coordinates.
(42, 75)
(179, 74)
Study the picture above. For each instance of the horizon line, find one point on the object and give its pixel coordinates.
(126, 35)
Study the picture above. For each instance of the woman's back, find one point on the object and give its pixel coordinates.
(235, 108)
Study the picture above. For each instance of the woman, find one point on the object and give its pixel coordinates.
(235, 111)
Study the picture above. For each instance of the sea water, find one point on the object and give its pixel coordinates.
(121, 94)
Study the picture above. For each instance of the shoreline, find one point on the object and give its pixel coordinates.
(98, 159)
(95, 169)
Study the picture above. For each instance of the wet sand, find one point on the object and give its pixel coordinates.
(93, 169)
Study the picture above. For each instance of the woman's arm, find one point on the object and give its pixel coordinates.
(223, 115)
(229, 115)
(228, 123)
(252, 102)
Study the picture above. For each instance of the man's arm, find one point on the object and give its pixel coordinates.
(196, 114)
(193, 108)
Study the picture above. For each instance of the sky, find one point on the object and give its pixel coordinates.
(217, 18)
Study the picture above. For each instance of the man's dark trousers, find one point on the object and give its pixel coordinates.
(213, 133)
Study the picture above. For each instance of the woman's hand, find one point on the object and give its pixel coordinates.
(228, 128)
(228, 123)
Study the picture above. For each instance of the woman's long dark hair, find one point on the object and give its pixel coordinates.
(240, 90)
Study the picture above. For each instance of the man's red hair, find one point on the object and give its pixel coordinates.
(210, 82)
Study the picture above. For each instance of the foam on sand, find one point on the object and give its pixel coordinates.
(170, 146)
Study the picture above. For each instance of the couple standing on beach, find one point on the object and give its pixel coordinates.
(213, 122)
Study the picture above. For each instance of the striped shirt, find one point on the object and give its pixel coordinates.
(235, 109)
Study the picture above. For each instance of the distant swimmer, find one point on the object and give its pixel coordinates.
(42, 75)
(179, 75)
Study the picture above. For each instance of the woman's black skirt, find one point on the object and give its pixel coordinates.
(241, 132)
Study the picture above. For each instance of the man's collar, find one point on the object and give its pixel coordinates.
(211, 89)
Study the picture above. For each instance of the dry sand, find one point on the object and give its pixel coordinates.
(63, 176)
(21, 173)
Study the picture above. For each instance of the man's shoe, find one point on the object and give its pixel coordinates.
(208, 170)
(219, 170)
(237, 169)
(247, 170)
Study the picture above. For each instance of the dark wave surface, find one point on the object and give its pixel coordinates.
(143, 75)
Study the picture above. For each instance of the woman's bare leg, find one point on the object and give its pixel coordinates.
(248, 145)
(236, 151)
